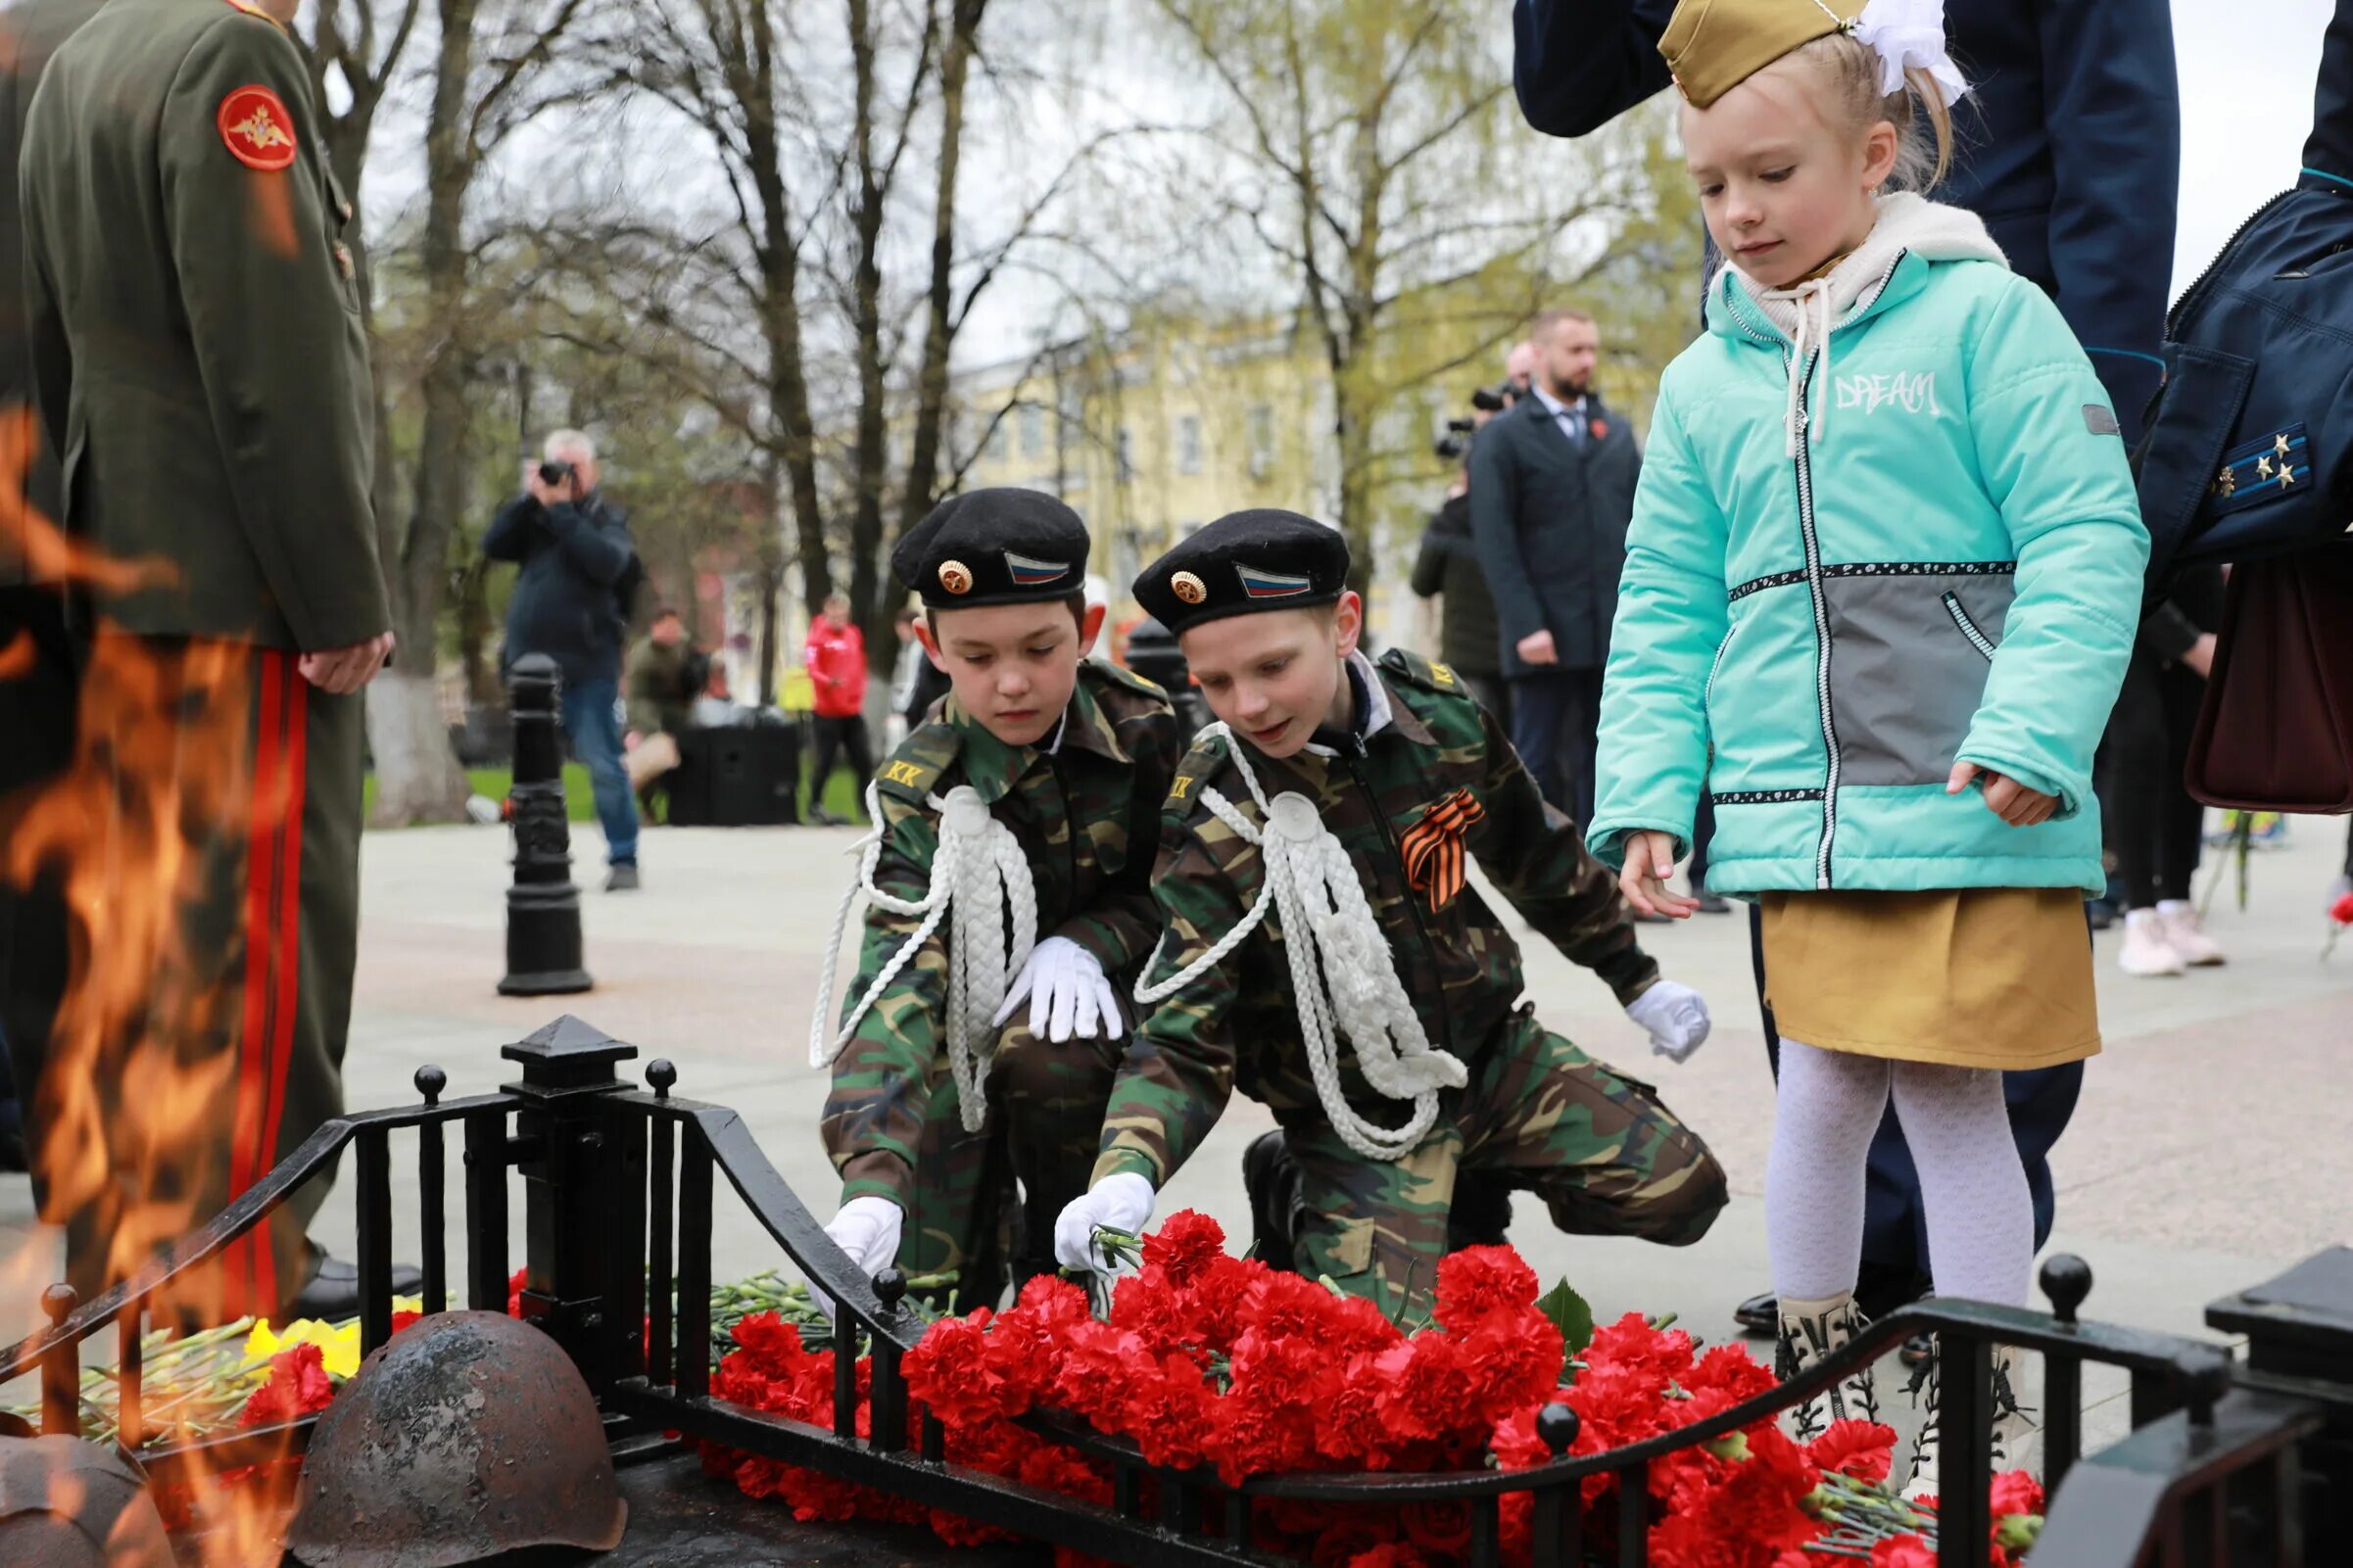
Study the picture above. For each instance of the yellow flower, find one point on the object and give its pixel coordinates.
(338, 1344)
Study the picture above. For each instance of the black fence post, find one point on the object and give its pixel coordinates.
(2299, 1333)
(542, 907)
(562, 1140)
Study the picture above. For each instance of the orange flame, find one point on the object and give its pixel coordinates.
(127, 1126)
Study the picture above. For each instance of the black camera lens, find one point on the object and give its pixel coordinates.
(554, 474)
(1487, 401)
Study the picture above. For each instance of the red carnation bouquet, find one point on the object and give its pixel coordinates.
(1211, 1363)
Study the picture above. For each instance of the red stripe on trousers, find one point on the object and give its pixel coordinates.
(242, 1273)
(295, 771)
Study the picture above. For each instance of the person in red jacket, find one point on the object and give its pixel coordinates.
(836, 657)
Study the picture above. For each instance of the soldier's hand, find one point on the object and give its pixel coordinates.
(1120, 1202)
(1650, 861)
(1537, 649)
(1676, 1017)
(343, 671)
(1068, 996)
(867, 1229)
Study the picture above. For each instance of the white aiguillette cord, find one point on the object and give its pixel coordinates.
(980, 872)
(1343, 975)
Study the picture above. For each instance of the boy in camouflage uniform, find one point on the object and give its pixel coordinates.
(1337, 803)
(1027, 804)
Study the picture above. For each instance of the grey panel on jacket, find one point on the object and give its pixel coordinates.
(1906, 675)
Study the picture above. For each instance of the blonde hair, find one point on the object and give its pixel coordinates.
(1922, 119)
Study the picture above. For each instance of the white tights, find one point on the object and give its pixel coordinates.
(1981, 1222)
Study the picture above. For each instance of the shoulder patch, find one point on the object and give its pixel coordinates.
(257, 128)
(1121, 677)
(1416, 670)
(1201, 765)
(913, 772)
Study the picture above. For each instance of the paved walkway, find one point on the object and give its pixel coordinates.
(2214, 1144)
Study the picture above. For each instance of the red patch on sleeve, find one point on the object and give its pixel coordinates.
(257, 129)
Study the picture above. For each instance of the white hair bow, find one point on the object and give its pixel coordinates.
(1907, 33)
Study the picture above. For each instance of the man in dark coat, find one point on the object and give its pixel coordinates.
(1552, 491)
(572, 602)
(2071, 153)
(1469, 639)
(200, 365)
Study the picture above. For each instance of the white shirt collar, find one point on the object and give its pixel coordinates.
(1377, 712)
(1554, 406)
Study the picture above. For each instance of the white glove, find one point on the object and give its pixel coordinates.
(1069, 997)
(1120, 1202)
(1676, 1017)
(866, 1228)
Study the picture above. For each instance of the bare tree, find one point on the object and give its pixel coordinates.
(490, 77)
(1369, 151)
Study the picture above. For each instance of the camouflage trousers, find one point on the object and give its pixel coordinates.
(1045, 1123)
(1539, 1116)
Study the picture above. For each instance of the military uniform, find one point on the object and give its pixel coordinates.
(1426, 779)
(1083, 807)
(201, 365)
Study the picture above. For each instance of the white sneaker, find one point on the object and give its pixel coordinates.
(2186, 935)
(2148, 951)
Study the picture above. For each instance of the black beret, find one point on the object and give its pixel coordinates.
(993, 547)
(1243, 563)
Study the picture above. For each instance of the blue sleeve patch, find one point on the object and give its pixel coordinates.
(2262, 469)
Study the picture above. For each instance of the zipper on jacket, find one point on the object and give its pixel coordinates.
(1397, 857)
(1960, 618)
(1814, 549)
(1708, 692)
(2194, 295)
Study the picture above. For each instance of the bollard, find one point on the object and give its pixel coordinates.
(542, 907)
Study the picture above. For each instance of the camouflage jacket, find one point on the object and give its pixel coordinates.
(1084, 814)
(1457, 962)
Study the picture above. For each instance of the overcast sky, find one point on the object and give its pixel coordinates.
(2246, 70)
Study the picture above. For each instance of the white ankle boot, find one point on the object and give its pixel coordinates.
(1810, 1332)
(2186, 934)
(2017, 1439)
(2148, 950)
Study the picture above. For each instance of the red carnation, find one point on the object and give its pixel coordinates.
(1388, 1554)
(950, 1372)
(1442, 1529)
(1864, 1451)
(2341, 910)
(1186, 1245)
(1903, 1551)
(1479, 1280)
(297, 1386)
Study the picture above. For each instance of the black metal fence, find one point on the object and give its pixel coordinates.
(2224, 1464)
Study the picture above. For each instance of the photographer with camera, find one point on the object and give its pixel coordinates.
(1448, 567)
(572, 601)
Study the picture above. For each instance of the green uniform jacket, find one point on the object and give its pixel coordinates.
(1457, 963)
(196, 344)
(653, 684)
(1085, 815)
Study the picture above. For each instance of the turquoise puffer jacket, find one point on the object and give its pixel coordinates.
(1928, 550)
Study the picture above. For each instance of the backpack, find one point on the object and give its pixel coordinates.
(2249, 450)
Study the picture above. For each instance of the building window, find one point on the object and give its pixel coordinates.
(1259, 425)
(1188, 443)
(1123, 456)
(1000, 442)
(1033, 430)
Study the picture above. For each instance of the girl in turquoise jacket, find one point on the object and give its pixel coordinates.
(1881, 584)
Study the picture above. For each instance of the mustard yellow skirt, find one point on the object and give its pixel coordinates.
(1972, 977)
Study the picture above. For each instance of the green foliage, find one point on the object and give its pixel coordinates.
(1568, 1313)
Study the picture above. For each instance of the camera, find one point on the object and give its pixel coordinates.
(1451, 446)
(1495, 398)
(554, 472)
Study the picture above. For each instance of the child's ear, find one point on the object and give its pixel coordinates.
(931, 645)
(1348, 620)
(1090, 627)
(1880, 149)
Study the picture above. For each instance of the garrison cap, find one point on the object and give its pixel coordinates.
(1001, 546)
(1712, 46)
(1243, 563)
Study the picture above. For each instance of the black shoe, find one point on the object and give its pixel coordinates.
(2100, 913)
(1713, 903)
(1271, 1178)
(1920, 1347)
(621, 880)
(824, 819)
(333, 1292)
(1759, 1314)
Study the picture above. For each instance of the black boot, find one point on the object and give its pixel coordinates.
(1271, 1176)
(1481, 1211)
(332, 1292)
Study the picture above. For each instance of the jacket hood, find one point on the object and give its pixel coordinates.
(1908, 224)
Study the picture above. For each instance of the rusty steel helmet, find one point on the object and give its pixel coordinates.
(465, 1436)
(66, 1504)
